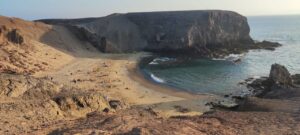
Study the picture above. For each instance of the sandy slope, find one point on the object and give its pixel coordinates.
(33, 54)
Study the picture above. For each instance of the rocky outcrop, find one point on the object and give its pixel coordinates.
(12, 35)
(280, 75)
(70, 100)
(188, 32)
(15, 36)
(267, 45)
(279, 84)
(81, 101)
(26, 87)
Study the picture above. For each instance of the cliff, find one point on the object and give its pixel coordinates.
(202, 33)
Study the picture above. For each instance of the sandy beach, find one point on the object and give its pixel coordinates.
(124, 81)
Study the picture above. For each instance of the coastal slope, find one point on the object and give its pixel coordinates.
(30, 47)
(54, 80)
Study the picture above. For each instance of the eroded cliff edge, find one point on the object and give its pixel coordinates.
(201, 33)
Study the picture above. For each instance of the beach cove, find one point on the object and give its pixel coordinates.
(66, 77)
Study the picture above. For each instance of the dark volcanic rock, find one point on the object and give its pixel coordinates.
(267, 45)
(15, 37)
(187, 32)
(280, 75)
(116, 104)
(279, 84)
(296, 79)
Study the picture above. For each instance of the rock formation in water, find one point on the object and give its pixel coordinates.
(280, 75)
(279, 84)
(187, 32)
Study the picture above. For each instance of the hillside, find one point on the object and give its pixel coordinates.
(30, 47)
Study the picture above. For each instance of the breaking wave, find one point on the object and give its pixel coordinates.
(156, 79)
(160, 60)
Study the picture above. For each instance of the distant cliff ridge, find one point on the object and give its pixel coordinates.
(190, 32)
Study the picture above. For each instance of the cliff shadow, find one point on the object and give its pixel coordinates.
(64, 40)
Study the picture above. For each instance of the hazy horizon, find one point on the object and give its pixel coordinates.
(36, 9)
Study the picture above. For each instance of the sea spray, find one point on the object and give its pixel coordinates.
(230, 57)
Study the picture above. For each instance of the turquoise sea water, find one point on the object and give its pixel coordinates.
(222, 76)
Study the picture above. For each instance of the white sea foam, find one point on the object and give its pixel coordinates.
(234, 57)
(231, 57)
(156, 79)
(157, 61)
(153, 63)
(218, 59)
(256, 77)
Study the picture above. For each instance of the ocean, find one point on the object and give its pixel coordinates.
(223, 76)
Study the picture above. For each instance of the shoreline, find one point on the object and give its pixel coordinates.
(136, 74)
(140, 76)
(165, 100)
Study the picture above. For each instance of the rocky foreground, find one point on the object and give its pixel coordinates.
(260, 114)
(54, 82)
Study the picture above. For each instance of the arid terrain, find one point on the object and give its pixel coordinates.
(53, 83)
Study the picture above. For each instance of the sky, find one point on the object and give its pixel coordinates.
(41, 9)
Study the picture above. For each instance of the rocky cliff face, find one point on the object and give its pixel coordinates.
(191, 29)
(197, 31)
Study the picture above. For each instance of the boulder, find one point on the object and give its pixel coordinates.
(15, 36)
(116, 104)
(279, 84)
(138, 131)
(280, 75)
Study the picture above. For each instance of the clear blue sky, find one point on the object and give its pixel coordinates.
(38, 9)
